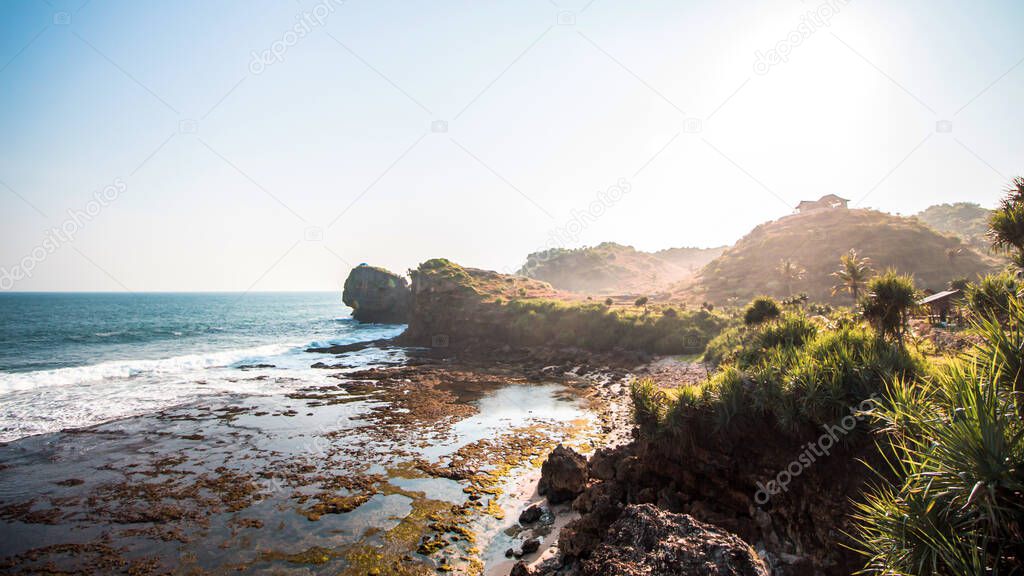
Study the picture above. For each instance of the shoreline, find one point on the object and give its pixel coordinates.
(236, 441)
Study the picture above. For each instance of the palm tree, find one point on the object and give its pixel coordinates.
(1006, 223)
(852, 274)
(790, 272)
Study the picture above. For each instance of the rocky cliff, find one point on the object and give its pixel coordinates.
(459, 307)
(377, 295)
(717, 485)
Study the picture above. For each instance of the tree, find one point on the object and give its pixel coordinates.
(890, 299)
(641, 301)
(852, 274)
(1006, 223)
(790, 272)
(608, 302)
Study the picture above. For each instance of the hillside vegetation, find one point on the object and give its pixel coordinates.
(610, 268)
(464, 307)
(964, 219)
(926, 447)
(813, 243)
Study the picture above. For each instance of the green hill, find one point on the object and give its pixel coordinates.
(613, 268)
(816, 240)
(964, 219)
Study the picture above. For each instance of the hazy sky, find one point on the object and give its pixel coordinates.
(272, 145)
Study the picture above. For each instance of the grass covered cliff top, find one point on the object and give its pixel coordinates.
(467, 306)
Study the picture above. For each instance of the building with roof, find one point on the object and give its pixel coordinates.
(826, 202)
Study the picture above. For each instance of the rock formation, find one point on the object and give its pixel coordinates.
(649, 541)
(563, 476)
(456, 307)
(377, 295)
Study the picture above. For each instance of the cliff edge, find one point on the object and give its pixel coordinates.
(377, 295)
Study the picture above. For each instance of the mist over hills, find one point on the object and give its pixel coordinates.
(614, 268)
(941, 243)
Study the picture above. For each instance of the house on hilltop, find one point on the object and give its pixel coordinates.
(826, 202)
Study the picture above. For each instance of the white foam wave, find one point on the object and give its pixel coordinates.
(123, 369)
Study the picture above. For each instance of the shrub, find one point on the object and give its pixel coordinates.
(794, 374)
(888, 303)
(991, 295)
(539, 322)
(761, 309)
(792, 330)
(648, 402)
(952, 501)
(1006, 223)
(727, 345)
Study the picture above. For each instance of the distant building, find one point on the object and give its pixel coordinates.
(826, 202)
(941, 306)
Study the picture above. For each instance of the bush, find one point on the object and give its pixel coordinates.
(592, 326)
(647, 402)
(990, 296)
(952, 502)
(890, 299)
(727, 345)
(792, 373)
(761, 309)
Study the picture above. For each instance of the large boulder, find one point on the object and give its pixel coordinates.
(377, 295)
(646, 540)
(563, 476)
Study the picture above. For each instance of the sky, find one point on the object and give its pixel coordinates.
(273, 145)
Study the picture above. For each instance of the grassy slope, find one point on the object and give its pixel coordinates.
(611, 268)
(816, 241)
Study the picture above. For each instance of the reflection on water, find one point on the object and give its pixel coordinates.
(296, 481)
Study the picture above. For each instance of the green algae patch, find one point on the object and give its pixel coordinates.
(314, 556)
(335, 505)
(411, 529)
(430, 527)
(409, 469)
(366, 559)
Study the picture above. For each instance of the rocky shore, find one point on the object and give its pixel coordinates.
(694, 503)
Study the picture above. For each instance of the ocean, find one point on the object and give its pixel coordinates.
(70, 360)
(191, 433)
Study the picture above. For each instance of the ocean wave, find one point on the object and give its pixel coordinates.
(124, 369)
